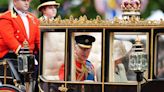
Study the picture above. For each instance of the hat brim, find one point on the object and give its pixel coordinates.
(128, 46)
(48, 3)
(84, 46)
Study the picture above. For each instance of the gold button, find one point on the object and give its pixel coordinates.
(18, 31)
(17, 36)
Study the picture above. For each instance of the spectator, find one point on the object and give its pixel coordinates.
(48, 8)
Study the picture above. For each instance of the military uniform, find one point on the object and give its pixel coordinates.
(84, 70)
(13, 32)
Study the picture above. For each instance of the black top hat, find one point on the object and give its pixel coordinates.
(84, 41)
(47, 2)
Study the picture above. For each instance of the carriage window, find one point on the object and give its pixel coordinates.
(122, 44)
(86, 56)
(53, 54)
(160, 57)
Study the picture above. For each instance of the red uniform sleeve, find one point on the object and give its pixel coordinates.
(61, 72)
(7, 34)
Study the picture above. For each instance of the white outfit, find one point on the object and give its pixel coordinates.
(120, 73)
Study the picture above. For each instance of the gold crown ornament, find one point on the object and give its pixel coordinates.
(130, 8)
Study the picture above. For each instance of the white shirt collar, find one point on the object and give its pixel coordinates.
(20, 12)
(45, 17)
(24, 20)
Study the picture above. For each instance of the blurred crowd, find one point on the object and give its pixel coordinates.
(106, 8)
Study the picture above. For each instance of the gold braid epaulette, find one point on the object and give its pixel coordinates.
(82, 72)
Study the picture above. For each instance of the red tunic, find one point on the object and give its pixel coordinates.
(61, 71)
(13, 33)
(83, 72)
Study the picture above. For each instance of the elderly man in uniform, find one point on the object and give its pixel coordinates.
(16, 26)
(48, 8)
(84, 68)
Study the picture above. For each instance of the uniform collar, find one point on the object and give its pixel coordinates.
(20, 12)
(79, 63)
(14, 13)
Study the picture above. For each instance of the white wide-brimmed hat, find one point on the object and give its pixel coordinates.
(47, 2)
(121, 49)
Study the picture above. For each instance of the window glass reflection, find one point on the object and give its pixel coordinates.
(122, 47)
(53, 54)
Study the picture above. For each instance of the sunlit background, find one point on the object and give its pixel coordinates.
(92, 8)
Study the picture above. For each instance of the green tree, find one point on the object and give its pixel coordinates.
(153, 5)
(3, 5)
(86, 7)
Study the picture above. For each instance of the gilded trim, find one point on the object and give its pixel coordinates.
(98, 21)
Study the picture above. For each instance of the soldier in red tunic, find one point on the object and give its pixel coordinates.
(16, 26)
(84, 68)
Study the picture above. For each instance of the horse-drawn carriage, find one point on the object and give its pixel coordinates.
(57, 38)
(57, 49)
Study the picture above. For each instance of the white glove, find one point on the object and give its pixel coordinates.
(36, 62)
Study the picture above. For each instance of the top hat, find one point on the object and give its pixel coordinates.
(47, 2)
(84, 41)
(121, 49)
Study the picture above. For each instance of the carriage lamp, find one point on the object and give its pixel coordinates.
(25, 59)
(138, 61)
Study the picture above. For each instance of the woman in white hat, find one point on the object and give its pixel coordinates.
(120, 50)
(48, 8)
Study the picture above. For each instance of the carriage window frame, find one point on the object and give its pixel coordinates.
(71, 47)
(157, 59)
(42, 52)
(145, 32)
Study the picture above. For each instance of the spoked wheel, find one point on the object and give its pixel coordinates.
(9, 88)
